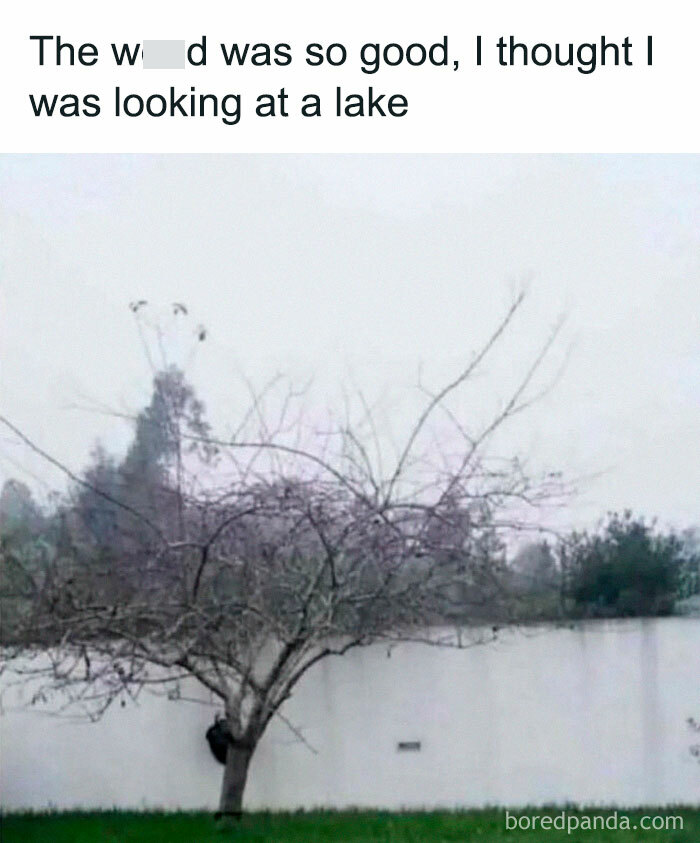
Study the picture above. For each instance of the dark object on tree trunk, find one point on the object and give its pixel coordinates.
(219, 739)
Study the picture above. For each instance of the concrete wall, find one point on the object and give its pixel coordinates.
(594, 714)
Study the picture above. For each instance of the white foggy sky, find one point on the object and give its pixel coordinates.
(369, 265)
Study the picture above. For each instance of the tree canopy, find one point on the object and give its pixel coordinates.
(242, 561)
(626, 568)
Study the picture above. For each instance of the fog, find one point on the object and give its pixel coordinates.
(365, 271)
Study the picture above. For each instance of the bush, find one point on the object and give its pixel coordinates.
(626, 569)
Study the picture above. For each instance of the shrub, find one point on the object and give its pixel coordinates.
(625, 569)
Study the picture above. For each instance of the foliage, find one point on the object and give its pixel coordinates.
(535, 581)
(689, 573)
(26, 549)
(118, 499)
(626, 568)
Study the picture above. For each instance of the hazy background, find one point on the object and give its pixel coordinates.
(358, 269)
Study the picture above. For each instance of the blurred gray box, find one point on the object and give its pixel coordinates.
(163, 55)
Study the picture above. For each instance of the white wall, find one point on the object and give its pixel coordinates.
(594, 714)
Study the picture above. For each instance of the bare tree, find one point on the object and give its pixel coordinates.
(242, 561)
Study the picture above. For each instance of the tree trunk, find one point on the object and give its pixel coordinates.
(235, 776)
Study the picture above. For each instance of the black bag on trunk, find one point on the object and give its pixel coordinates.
(219, 738)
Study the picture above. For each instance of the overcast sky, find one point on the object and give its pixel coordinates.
(360, 269)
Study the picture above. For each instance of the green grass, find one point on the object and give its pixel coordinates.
(321, 826)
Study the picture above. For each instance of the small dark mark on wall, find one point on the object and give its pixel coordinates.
(408, 746)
